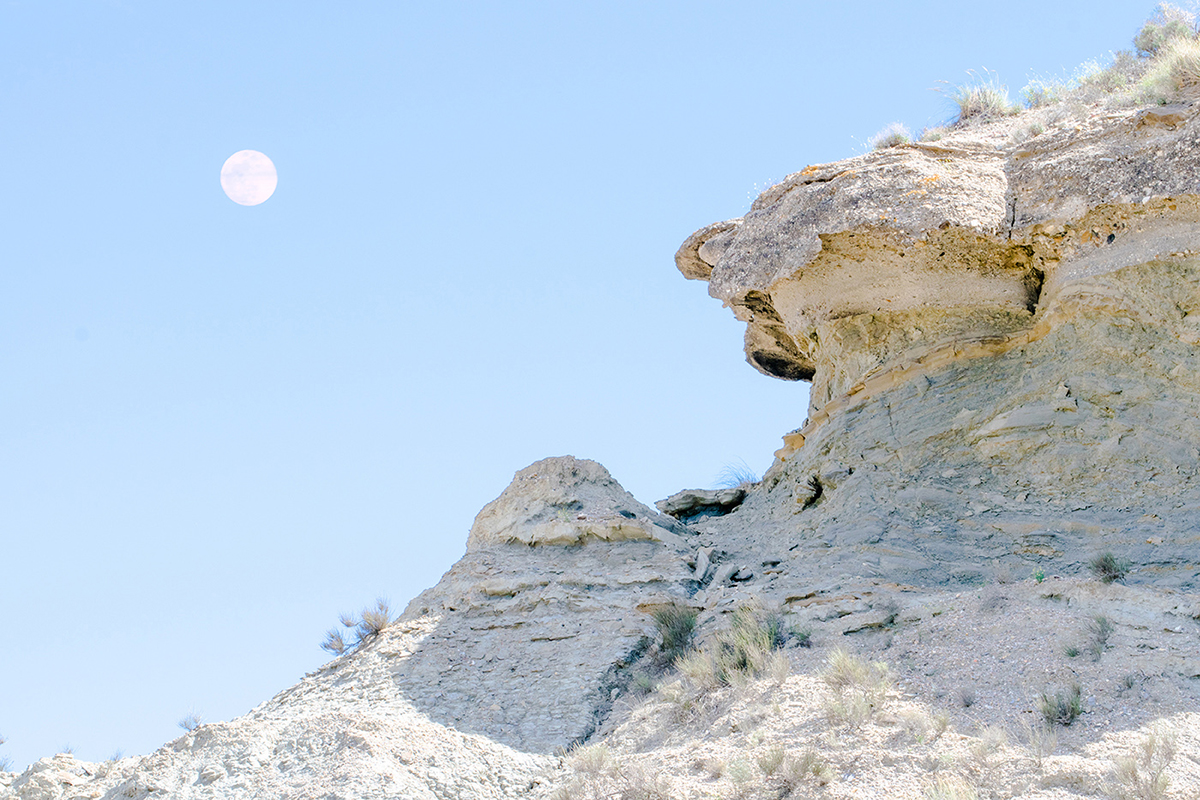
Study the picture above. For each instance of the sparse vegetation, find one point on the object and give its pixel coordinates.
(676, 624)
(1108, 568)
(1062, 707)
(599, 776)
(746, 650)
(950, 787)
(892, 136)
(1168, 24)
(966, 696)
(1175, 72)
(860, 687)
(1071, 651)
(368, 624)
(5, 761)
(984, 97)
(1100, 628)
(191, 722)
(1042, 739)
(1143, 774)
(734, 475)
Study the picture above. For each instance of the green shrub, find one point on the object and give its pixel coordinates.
(676, 624)
(1062, 707)
(1108, 568)
(1169, 23)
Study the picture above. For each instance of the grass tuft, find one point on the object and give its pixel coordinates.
(1063, 707)
(860, 687)
(982, 98)
(732, 476)
(1169, 23)
(191, 722)
(1108, 568)
(1175, 72)
(676, 625)
(893, 135)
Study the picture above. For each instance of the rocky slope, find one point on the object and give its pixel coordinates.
(1002, 337)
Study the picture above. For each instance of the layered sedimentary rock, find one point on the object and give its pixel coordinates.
(1002, 343)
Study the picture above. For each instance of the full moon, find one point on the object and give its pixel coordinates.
(248, 177)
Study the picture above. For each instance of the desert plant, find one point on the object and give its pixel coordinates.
(1062, 707)
(802, 637)
(796, 771)
(1100, 628)
(191, 722)
(860, 688)
(676, 624)
(1170, 22)
(982, 98)
(1041, 739)
(734, 475)
(5, 762)
(1039, 93)
(1108, 568)
(950, 787)
(1143, 774)
(933, 134)
(966, 696)
(367, 624)
(1175, 72)
(770, 761)
(1071, 651)
(893, 135)
(1039, 575)
(373, 621)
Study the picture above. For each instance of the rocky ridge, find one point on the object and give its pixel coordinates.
(1002, 341)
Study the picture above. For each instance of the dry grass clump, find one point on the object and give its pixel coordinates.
(600, 776)
(860, 687)
(191, 722)
(984, 97)
(1175, 72)
(893, 135)
(950, 787)
(748, 649)
(368, 624)
(5, 762)
(1143, 774)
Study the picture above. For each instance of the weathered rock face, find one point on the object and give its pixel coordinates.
(1002, 342)
(843, 269)
(540, 619)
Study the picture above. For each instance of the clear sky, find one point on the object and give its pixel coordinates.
(221, 425)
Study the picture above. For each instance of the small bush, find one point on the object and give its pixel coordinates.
(933, 134)
(966, 696)
(369, 623)
(770, 761)
(983, 98)
(676, 624)
(1170, 22)
(1143, 774)
(1063, 707)
(1071, 651)
(893, 135)
(191, 722)
(1108, 568)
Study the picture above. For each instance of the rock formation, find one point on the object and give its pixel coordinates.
(1002, 337)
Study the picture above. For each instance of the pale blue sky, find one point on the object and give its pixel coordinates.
(222, 425)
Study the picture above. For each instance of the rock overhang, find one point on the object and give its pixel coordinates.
(950, 241)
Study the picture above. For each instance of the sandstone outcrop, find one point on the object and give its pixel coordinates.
(1002, 342)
